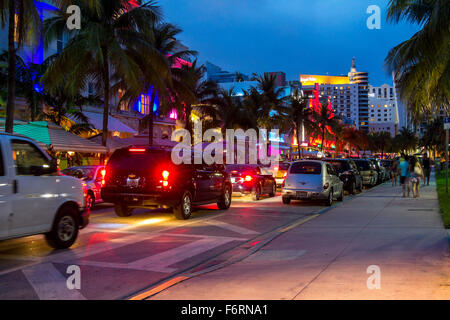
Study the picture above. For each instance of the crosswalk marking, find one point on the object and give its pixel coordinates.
(49, 283)
(231, 227)
(161, 262)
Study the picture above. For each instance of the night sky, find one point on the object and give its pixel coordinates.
(294, 36)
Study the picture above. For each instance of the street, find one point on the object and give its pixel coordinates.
(255, 250)
(121, 256)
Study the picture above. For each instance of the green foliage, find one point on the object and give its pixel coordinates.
(444, 199)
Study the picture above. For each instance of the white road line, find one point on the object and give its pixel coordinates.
(231, 227)
(84, 251)
(161, 262)
(49, 283)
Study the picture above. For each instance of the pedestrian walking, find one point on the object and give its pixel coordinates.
(416, 173)
(394, 172)
(404, 174)
(426, 169)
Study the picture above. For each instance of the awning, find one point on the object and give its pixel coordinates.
(61, 140)
(114, 143)
(96, 120)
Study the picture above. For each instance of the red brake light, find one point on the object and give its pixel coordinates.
(103, 173)
(165, 174)
(136, 150)
(248, 178)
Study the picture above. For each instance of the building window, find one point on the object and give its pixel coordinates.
(145, 104)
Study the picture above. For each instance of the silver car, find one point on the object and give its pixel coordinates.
(92, 177)
(312, 180)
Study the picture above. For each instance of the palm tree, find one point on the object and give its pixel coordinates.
(157, 77)
(406, 140)
(323, 119)
(23, 25)
(189, 90)
(112, 31)
(356, 139)
(379, 141)
(421, 64)
(299, 115)
(271, 106)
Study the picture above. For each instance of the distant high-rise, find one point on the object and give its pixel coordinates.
(362, 79)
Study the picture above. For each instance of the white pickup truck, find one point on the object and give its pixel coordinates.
(34, 199)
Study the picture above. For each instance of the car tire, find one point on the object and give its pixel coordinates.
(274, 190)
(286, 200)
(329, 201)
(65, 228)
(225, 199)
(353, 188)
(184, 210)
(257, 193)
(122, 210)
(341, 196)
(90, 200)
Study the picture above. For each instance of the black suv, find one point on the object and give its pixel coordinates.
(348, 173)
(146, 177)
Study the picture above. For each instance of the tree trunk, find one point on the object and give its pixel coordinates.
(298, 142)
(323, 139)
(150, 117)
(105, 96)
(10, 105)
(188, 125)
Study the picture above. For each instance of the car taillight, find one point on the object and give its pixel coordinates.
(85, 190)
(165, 174)
(136, 150)
(285, 175)
(103, 173)
(326, 186)
(248, 178)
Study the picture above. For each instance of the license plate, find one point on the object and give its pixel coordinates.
(233, 180)
(302, 194)
(133, 183)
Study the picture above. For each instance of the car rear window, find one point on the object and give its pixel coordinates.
(340, 166)
(86, 173)
(240, 168)
(363, 164)
(306, 168)
(284, 166)
(125, 159)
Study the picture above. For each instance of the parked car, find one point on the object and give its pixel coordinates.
(248, 179)
(92, 177)
(368, 172)
(280, 172)
(349, 174)
(387, 164)
(382, 172)
(314, 180)
(146, 177)
(34, 198)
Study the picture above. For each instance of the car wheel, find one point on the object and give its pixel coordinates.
(122, 210)
(65, 229)
(225, 199)
(274, 190)
(341, 196)
(184, 210)
(286, 200)
(257, 193)
(329, 201)
(90, 201)
(353, 188)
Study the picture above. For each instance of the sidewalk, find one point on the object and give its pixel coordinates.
(328, 257)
